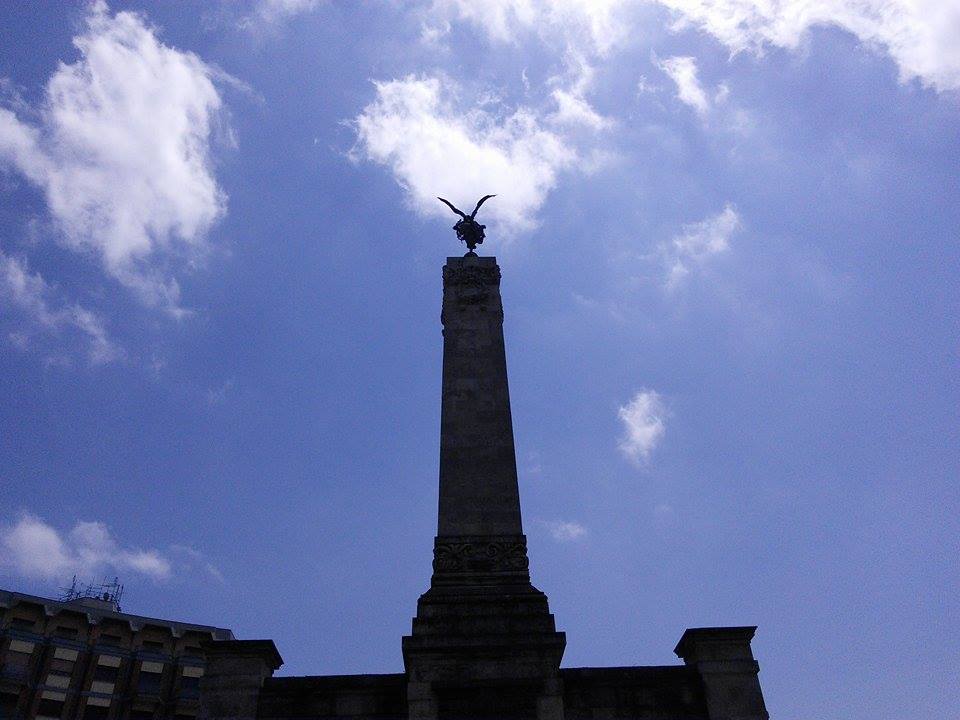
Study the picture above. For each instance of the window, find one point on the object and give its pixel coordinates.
(109, 660)
(50, 708)
(17, 666)
(189, 687)
(102, 673)
(22, 623)
(61, 666)
(58, 680)
(21, 646)
(190, 680)
(149, 683)
(141, 715)
(67, 632)
(109, 639)
(153, 645)
(94, 712)
(105, 688)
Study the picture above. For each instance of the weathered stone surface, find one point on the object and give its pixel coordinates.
(724, 660)
(235, 673)
(478, 469)
(634, 693)
(357, 697)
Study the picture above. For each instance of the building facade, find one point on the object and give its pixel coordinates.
(86, 659)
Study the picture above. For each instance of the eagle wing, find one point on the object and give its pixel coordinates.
(482, 201)
(450, 205)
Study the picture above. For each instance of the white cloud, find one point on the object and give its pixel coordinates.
(436, 147)
(35, 549)
(29, 293)
(698, 242)
(272, 12)
(573, 109)
(645, 87)
(121, 149)
(192, 560)
(594, 26)
(920, 35)
(562, 531)
(643, 421)
(683, 71)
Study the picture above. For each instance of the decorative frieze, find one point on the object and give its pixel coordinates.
(480, 554)
(471, 275)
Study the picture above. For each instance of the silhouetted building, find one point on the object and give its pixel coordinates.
(83, 658)
(483, 644)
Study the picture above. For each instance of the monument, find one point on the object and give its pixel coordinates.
(483, 644)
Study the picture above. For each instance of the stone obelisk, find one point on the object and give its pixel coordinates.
(484, 643)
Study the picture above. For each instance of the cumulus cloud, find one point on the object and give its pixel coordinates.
(562, 531)
(643, 421)
(120, 147)
(920, 35)
(683, 71)
(35, 549)
(433, 145)
(583, 29)
(30, 294)
(697, 243)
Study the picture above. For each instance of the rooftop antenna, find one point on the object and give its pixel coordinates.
(109, 591)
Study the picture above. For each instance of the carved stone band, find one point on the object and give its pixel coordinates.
(473, 555)
(471, 275)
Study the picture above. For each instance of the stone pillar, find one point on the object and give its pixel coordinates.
(479, 533)
(235, 671)
(726, 665)
(484, 643)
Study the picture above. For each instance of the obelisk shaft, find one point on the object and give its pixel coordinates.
(482, 626)
(478, 467)
(480, 538)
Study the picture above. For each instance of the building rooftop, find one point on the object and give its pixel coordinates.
(97, 610)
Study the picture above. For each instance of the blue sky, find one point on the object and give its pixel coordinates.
(728, 237)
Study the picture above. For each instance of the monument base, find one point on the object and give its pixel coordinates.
(483, 651)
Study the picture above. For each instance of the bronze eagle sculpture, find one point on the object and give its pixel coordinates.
(468, 230)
